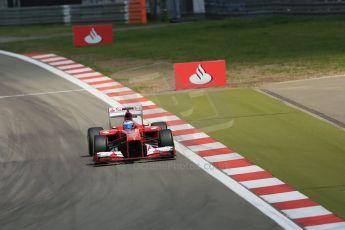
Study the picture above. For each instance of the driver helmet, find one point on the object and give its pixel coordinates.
(128, 124)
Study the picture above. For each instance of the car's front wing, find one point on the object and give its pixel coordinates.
(151, 153)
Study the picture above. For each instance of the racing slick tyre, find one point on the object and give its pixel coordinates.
(91, 133)
(100, 144)
(165, 138)
(161, 124)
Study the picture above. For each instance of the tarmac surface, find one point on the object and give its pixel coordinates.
(324, 97)
(48, 181)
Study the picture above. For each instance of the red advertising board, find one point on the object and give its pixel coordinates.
(89, 35)
(193, 75)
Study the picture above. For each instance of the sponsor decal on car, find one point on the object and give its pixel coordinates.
(192, 75)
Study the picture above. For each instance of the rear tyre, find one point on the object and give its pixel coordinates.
(165, 138)
(161, 124)
(91, 133)
(100, 144)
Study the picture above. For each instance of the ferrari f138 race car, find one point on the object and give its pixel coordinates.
(133, 140)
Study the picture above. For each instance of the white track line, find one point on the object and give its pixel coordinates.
(241, 170)
(109, 84)
(267, 209)
(208, 146)
(93, 74)
(43, 56)
(187, 137)
(96, 79)
(333, 226)
(306, 212)
(180, 127)
(153, 111)
(262, 183)
(117, 90)
(164, 118)
(65, 67)
(224, 157)
(143, 103)
(134, 95)
(53, 59)
(43, 93)
(81, 70)
(284, 196)
(61, 62)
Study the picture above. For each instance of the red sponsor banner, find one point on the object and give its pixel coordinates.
(193, 75)
(89, 35)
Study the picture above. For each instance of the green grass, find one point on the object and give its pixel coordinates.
(299, 149)
(33, 30)
(288, 46)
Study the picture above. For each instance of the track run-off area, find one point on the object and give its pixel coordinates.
(49, 182)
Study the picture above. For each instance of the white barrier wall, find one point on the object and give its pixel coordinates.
(124, 11)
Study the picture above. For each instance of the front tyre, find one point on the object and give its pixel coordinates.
(165, 138)
(100, 144)
(91, 133)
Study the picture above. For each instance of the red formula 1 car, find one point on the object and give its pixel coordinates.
(132, 140)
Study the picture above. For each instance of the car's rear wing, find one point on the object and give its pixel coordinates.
(135, 111)
(121, 111)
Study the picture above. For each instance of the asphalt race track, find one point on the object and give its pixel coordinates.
(324, 97)
(47, 180)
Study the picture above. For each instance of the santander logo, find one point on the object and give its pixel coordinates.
(200, 77)
(93, 37)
